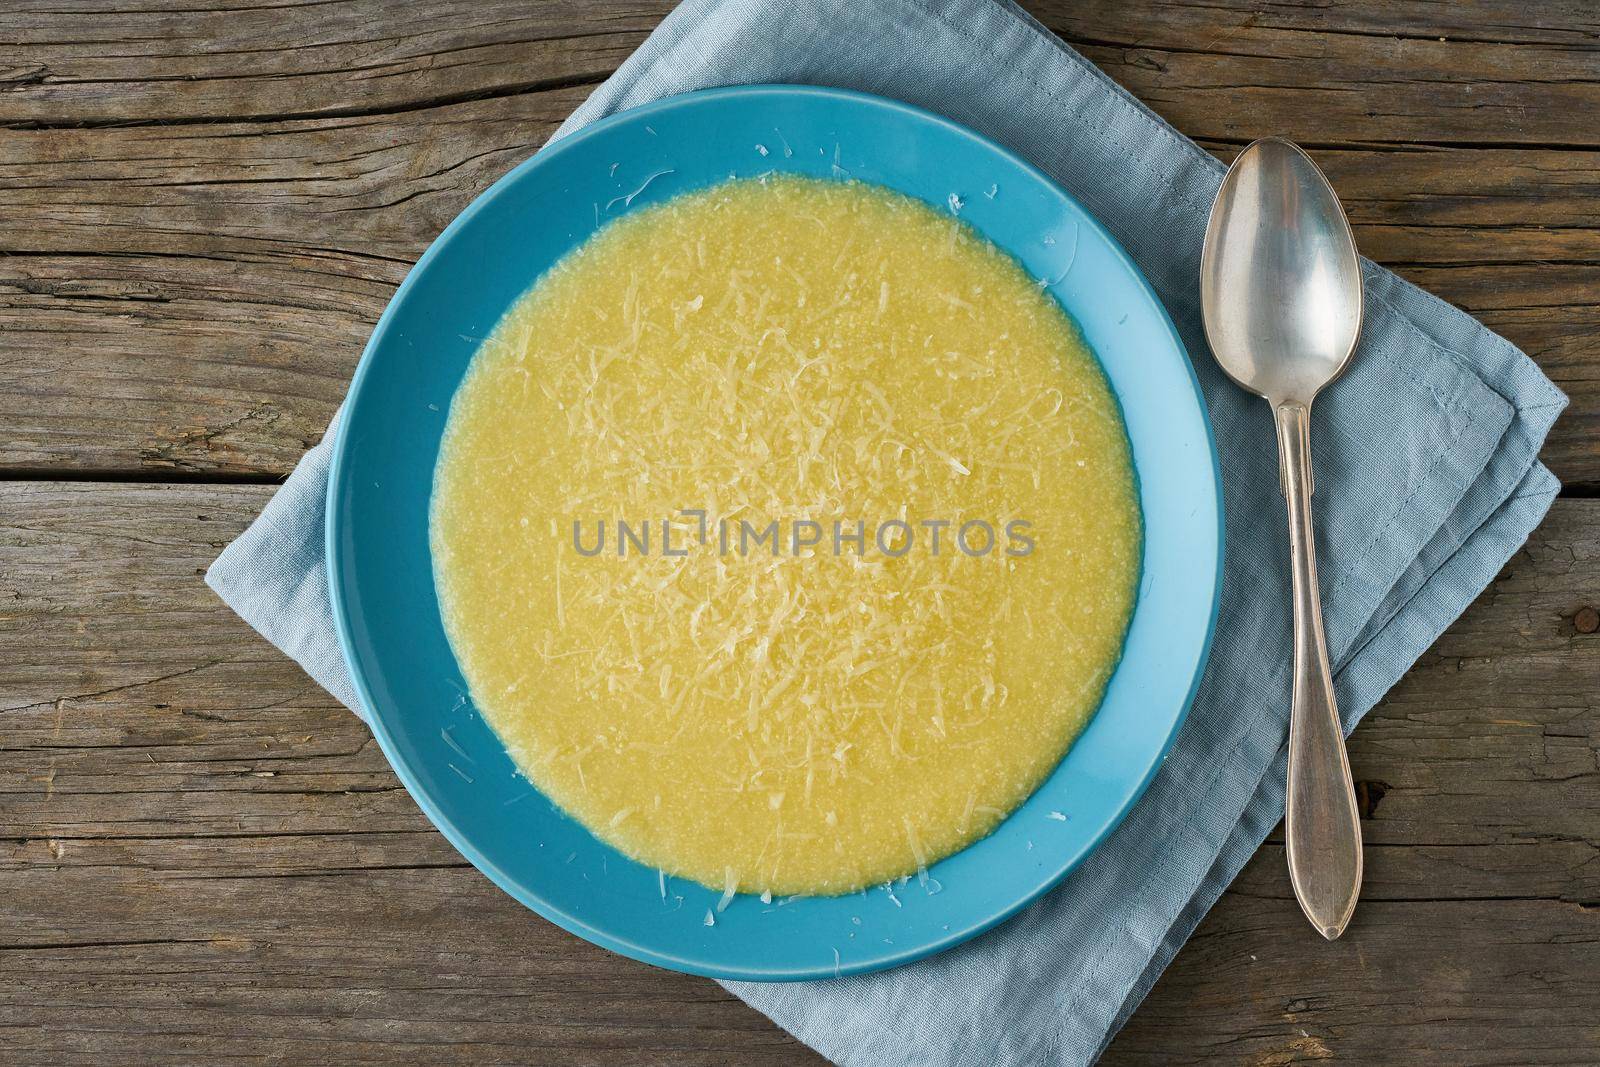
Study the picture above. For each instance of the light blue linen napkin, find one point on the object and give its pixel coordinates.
(1427, 482)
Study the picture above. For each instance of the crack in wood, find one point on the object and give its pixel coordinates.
(440, 100)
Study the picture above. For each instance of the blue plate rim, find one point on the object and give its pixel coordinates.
(334, 557)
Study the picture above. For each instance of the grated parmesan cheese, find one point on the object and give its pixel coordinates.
(786, 365)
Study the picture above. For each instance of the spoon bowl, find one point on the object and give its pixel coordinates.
(1280, 281)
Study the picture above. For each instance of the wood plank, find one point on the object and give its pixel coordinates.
(1447, 983)
(204, 856)
(1493, 73)
(205, 315)
(187, 298)
(110, 62)
(201, 853)
(1510, 236)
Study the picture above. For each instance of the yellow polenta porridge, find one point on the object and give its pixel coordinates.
(786, 533)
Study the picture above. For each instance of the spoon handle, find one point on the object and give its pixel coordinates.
(1322, 825)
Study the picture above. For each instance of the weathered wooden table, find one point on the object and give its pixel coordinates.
(203, 209)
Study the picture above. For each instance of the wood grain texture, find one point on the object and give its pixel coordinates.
(204, 854)
(203, 859)
(246, 60)
(203, 227)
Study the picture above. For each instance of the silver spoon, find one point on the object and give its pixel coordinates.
(1280, 289)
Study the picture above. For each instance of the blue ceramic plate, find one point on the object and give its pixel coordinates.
(382, 580)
